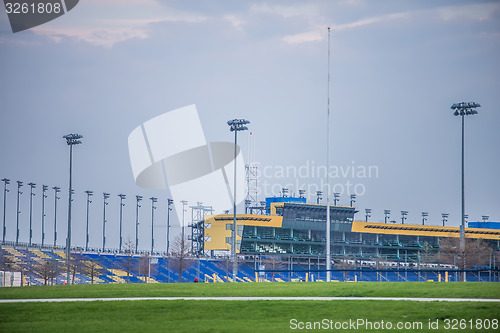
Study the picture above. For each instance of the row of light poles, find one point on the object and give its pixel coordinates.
(89, 194)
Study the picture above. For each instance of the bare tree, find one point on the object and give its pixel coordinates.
(145, 268)
(93, 268)
(5, 263)
(47, 270)
(128, 260)
(477, 252)
(180, 255)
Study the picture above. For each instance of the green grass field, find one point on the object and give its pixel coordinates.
(242, 316)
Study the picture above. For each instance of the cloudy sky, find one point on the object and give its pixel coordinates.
(396, 67)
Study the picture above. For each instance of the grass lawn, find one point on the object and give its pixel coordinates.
(367, 289)
(228, 316)
(244, 316)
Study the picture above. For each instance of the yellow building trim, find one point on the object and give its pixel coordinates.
(422, 230)
(217, 230)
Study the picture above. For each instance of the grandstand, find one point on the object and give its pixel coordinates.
(30, 266)
(285, 242)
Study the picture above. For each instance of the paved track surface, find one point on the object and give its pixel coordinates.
(252, 299)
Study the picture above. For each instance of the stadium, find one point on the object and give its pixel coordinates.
(284, 241)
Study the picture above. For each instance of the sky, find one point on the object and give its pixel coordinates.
(396, 67)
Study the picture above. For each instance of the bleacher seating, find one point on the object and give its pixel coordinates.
(114, 268)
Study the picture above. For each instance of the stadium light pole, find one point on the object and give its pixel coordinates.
(387, 214)
(5, 190)
(368, 212)
(32, 186)
(353, 199)
(445, 218)
(138, 199)
(403, 216)
(485, 220)
(235, 126)
(44, 196)
(318, 196)
(462, 109)
(184, 203)
(153, 207)
(169, 203)
(122, 197)
(301, 195)
(71, 140)
(89, 194)
(328, 226)
(56, 197)
(19, 185)
(336, 198)
(284, 193)
(105, 197)
(424, 217)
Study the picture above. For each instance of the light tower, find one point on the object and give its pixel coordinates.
(44, 196)
(89, 194)
(153, 207)
(19, 185)
(485, 220)
(368, 212)
(284, 193)
(387, 213)
(336, 198)
(235, 126)
(301, 195)
(184, 203)
(424, 217)
(403, 216)
(319, 196)
(122, 197)
(353, 199)
(138, 199)
(170, 202)
(5, 190)
(444, 216)
(56, 197)
(462, 109)
(32, 186)
(105, 197)
(71, 140)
